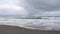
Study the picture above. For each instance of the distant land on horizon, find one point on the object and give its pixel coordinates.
(31, 16)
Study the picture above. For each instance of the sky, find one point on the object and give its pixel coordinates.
(44, 7)
(11, 7)
(30, 7)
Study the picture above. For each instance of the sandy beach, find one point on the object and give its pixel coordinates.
(17, 30)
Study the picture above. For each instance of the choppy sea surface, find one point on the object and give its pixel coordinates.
(46, 23)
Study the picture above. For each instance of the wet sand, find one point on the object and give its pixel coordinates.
(17, 30)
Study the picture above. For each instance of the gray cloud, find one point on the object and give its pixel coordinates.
(30, 7)
(40, 7)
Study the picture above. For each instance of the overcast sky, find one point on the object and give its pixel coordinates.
(11, 7)
(30, 7)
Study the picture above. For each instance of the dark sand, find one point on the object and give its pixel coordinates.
(18, 30)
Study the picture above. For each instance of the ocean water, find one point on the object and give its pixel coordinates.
(52, 23)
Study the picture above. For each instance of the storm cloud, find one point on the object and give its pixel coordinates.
(30, 7)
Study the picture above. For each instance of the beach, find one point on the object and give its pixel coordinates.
(17, 30)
